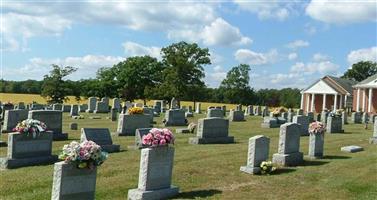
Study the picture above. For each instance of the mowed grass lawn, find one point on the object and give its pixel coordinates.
(212, 171)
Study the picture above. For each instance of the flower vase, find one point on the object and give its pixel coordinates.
(71, 182)
(316, 142)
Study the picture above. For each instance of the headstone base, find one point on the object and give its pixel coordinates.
(373, 140)
(351, 149)
(250, 170)
(182, 130)
(316, 156)
(269, 125)
(110, 148)
(3, 144)
(8, 163)
(218, 140)
(292, 159)
(59, 136)
(89, 111)
(136, 194)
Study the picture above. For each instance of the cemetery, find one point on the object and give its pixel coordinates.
(157, 100)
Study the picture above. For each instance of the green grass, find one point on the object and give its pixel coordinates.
(212, 171)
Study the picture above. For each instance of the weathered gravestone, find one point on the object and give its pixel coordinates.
(74, 110)
(236, 116)
(289, 146)
(114, 113)
(258, 152)
(198, 108)
(73, 126)
(57, 106)
(21, 105)
(213, 112)
(324, 115)
(258, 111)
(11, 118)
(365, 118)
(106, 100)
(334, 124)
(344, 118)
(66, 108)
(101, 107)
(24, 150)
(265, 112)
(116, 104)
(53, 120)
(149, 112)
(155, 174)
(127, 124)
(352, 149)
(239, 107)
(249, 110)
(212, 131)
(174, 104)
(175, 117)
(303, 121)
(373, 140)
(356, 117)
(70, 182)
(316, 142)
(83, 107)
(100, 136)
(272, 122)
(92, 102)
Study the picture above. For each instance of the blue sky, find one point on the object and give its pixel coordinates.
(286, 43)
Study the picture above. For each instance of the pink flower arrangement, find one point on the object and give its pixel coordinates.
(158, 137)
(316, 128)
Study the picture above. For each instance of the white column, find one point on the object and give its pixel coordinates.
(345, 101)
(370, 99)
(312, 105)
(364, 96)
(302, 101)
(341, 102)
(335, 100)
(307, 103)
(358, 100)
(324, 102)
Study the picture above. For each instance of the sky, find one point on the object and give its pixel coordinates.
(286, 43)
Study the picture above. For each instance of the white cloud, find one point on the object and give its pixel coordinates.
(214, 78)
(318, 57)
(322, 67)
(87, 66)
(254, 58)
(297, 44)
(268, 9)
(342, 12)
(367, 54)
(135, 49)
(219, 32)
(292, 56)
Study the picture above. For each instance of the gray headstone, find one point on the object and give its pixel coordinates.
(334, 125)
(175, 117)
(116, 104)
(290, 116)
(69, 182)
(303, 121)
(249, 110)
(53, 120)
(21, 105)
(155, 174)
(74, 110)
(127, 124)
(212, 131)
(258, 152)
(258, 111)
(57, 106)
(100, 136)
(365, 118)
(373, 139)
(289, 146)
(24, 150)
(150, 112)
(316, 142)
(114, 113)
(83, 107)
(344, 118)
(356, 117)
(105, 100)
(73, 126)
(215, 113)
(324, 115)
(236, 116)
(92, 102)
(198, 108)
(101, 107)
(310, 116)
(12, 117)
(66, 108)
(140, 132)
(300, 112)
(174, 103)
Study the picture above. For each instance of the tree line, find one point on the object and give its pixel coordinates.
(179, 74)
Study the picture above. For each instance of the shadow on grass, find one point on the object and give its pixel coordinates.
(335, 157)
(283, 171)
(197, 194)
(314, 163)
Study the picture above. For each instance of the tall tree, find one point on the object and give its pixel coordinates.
(184, 72)
(136, 75)
(235, 87)
(54, 88)
(361, 71)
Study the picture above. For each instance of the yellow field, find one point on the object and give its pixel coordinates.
(29, 98)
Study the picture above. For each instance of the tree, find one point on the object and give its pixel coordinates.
(361, 70)
(183, 74)
(54, 88)
(136, 76)
(235, 87)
